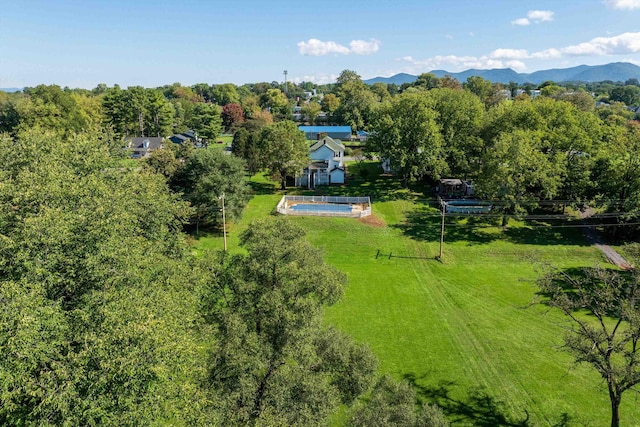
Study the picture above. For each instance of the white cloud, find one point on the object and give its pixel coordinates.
(362, 47)
(509, 54)
(521, 21)
(516, 65)
(540, 15)
(315, 47)
(319, 79)
(535, 16)
(552, 53)
(449, 36)
(623, 4)
(622, 44)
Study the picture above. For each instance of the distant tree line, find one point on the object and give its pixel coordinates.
(518, 150)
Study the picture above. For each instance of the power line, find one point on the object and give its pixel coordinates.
(523, 217)
(525, 226)
(545, 202)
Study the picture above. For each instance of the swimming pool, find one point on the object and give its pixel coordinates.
(321, 207)
(338, 206)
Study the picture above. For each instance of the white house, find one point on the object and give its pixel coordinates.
(327, 164)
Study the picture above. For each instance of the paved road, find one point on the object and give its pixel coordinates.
(596, 240)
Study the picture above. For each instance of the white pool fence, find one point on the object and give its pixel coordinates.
(360, 206)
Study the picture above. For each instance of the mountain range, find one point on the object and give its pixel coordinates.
(616, 71)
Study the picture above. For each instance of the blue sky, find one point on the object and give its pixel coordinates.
(80, 43)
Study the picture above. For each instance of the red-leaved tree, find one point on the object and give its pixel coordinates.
(232, 116)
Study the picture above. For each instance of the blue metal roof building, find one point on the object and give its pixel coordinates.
(335, 132)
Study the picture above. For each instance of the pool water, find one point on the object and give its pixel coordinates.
(321, 207)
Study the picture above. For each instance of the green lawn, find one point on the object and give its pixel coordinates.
(221, 143)
(461, 330)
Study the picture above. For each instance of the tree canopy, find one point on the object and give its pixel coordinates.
(406, 132)
(275, 363)
(284, 150)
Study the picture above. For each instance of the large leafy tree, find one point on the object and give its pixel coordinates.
(206, 120)
(276, 102)
(51, 108)
(330, 103)
(480, 87)
(427, 81)
(137, 111)
(311, 110)
(603, 310)
(92, 257)
(284, 150)
(405, 131)
(460, 117)
(158, 113)
(629, 94)
(9, 116)
(615, 178)
(393, 403)
(275, 363)
(357, 104)
(225, 93)
(203, 179)
(517, 173)
(232, 116)
(246, 145)
(562, 138)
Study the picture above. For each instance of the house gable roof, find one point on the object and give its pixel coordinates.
(138, 143)
(334, 145)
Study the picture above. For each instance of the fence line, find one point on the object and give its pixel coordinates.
(327, 199)
(283, 206)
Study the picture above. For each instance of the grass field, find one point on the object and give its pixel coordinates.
(461, 330)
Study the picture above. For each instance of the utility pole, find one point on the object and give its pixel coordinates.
(286, 88)
(224, 224)
(444, 208)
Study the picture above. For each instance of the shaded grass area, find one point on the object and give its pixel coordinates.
(462, 331)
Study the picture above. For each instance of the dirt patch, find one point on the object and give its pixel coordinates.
(372, 221)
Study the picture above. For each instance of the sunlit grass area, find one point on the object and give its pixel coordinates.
(462, 329)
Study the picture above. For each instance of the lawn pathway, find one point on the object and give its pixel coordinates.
(596, 240)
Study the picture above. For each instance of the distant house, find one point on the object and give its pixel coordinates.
(335, 132)
(141, 146)
(180, 138)
(327, 164)
(297, 113)
(452, 188)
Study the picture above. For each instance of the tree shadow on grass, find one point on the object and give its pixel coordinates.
(545, 233)
(477, 408)
(366, 179)
(262, 188)
(590, 279)
(427, 225)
